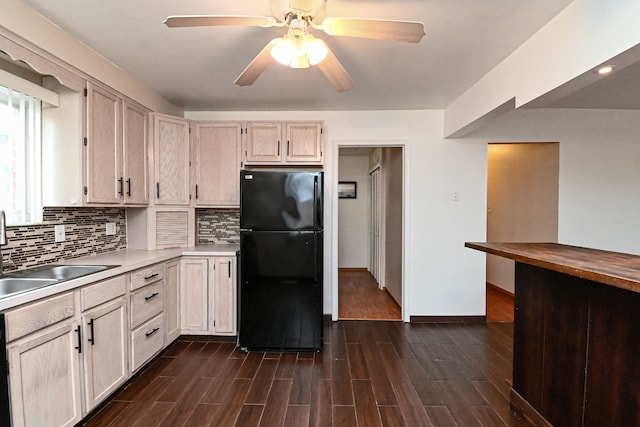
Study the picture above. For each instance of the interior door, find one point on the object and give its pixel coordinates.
(374, 223)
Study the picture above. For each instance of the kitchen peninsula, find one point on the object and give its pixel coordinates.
(576, 336)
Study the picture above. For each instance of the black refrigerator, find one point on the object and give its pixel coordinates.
(281, 250)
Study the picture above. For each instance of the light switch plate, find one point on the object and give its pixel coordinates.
(111, 228)
(59, 233)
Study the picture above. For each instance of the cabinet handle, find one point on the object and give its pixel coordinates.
(79, 332)
(91, 339)
(196, 191)
(229, 268)
(288, 144)
(157, 190)
(278, 147)
(129, 187)
(151, 276)
(120, 186)
(148, 334)
(153, 295)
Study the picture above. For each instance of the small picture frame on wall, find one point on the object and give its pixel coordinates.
(347, 189)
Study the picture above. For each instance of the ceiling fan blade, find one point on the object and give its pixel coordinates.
(219, 20)
(335, 73)
(381, 29)
(257, 66)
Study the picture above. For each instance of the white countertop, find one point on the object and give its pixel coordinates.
(126, 259)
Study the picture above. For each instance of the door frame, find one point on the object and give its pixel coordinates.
(333, 259)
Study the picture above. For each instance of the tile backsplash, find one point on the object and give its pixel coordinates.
(215, 226)
(85, 233)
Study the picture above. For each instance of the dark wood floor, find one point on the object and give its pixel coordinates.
(370, 374)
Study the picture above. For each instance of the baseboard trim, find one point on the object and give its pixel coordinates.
(353, 269)
(500, 290)
(448, 319)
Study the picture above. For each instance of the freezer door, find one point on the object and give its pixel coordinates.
(280, 291)
(281, 200)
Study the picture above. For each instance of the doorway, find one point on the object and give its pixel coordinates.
(522, 206)
(370, 233)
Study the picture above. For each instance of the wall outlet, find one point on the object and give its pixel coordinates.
(59, 233)
(455, 196)
(111, 228)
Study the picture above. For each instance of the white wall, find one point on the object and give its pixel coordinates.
(353, 213)
(442, 277)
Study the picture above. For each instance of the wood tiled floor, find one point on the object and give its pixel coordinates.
(360, 299)
(370, 373)
(500, 305)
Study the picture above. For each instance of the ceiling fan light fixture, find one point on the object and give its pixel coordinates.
(300, 61)
(316, 50)
(298, 50)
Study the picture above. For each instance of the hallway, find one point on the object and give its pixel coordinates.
(360, 299)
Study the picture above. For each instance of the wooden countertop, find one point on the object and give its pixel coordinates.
(611, 268)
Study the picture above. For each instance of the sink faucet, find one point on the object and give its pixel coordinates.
(3, 235)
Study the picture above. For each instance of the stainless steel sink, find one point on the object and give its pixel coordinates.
(15, 285)
(38, 277)
(62, 272)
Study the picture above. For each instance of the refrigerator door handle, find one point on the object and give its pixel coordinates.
(315, 202)
(315, 257)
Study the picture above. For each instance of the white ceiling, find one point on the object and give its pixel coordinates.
(195, 67)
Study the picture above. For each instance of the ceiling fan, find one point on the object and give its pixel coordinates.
(299, 48)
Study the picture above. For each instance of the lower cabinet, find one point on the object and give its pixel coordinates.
(172, 302)
(224, 295)
(44, 377)
(147, 341)
(105, 350)
(148, 327)
(194, 301)
(208, 295)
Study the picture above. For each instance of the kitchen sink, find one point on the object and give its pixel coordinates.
(15, 285)
(38, 277)
(61, 272)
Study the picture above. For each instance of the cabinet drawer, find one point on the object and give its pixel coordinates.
(146, 341)
(107, 290)
(146, 303)
(145, 276)
(35, 316)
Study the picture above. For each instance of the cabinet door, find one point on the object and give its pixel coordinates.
(172, 302)
(171, 160)
(304, 142)
(224, 295)
(194, 301)
(44, 377)
(217, 153)
(103, 178)
(106, 350)
(134, 154)
(263, 145)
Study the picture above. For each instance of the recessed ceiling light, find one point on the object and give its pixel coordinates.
(605, 69)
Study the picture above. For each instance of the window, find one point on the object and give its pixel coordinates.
(20, 186)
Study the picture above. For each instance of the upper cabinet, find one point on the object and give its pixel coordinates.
(263, 144)
(134, 149)
(115, 147)
(170, 160)
(284, 143)
(304, 142)
(217, 155)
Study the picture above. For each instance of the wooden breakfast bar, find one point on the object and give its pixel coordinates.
(576, 344)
